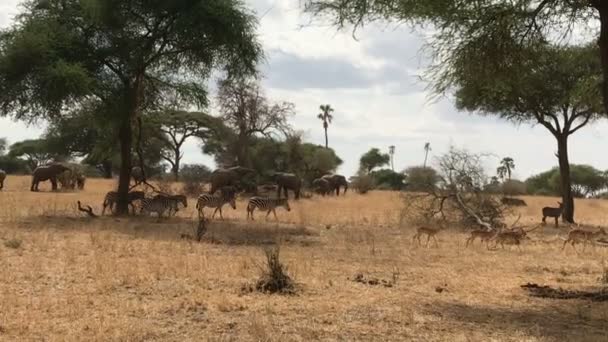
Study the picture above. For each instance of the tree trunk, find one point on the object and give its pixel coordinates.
(566, 184)
(176, 165)
(242, 156)
(106, 168)
(325, 128)
(602, 7)
(125, 136)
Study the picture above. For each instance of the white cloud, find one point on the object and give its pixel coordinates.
(372, 83)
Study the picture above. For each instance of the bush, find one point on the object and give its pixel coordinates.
(13, 165)
(514, 187)
(274, 277)
(194, 177)
(420, 178)
(387, 179)
(13, 243)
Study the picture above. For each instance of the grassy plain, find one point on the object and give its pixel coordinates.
(64, 277)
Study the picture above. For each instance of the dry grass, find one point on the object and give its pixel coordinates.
(75, 278)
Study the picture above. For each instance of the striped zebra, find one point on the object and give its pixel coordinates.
(157, 204)
(112, 198)
(215, 201)
(176, 200)
(266, 203)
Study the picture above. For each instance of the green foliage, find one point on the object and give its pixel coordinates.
(195, 172)
(268, 156)
(514, 187)
(36, 152)
(420, 178)
(13, 165)
(586, 181)
(373, 159)
(387, 179)
(121, 58)
(3, 146)
(173, 128)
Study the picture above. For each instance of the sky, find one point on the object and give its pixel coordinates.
(373, 83)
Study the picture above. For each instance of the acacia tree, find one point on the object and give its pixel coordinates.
(456, 23)
(175, 127)
(35, 151)
(245, 109)
(556, 87)
(122, 56)
(373, 159)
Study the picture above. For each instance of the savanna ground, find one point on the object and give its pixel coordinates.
(65, 277)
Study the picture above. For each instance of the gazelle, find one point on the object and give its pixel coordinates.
(553, 212)
(512, 237)
(581, 235)
(483, 234)
(429, 232)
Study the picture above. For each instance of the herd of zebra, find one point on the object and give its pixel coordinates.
(166, 203)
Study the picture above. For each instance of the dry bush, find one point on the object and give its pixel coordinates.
(13, 243)
(193, 188)
(362, 184)
(165, 184)
(274, 277)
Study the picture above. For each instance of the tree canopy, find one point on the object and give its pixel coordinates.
(121, 57)
(373, 159)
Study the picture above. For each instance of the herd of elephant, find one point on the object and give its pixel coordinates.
(55, 173)
(285, 182)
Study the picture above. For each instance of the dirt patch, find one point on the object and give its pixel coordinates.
(544, 291)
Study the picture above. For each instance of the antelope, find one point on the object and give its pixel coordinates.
(429, 232)
(483, 234)
(577, 235)
(512, 237)
(553, 212)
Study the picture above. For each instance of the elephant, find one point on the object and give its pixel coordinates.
(322, 186)
(336, 182)
(137, 175)
(47, 172)
(288, 181)
(72, 179)
(228, 177)
(2, 178)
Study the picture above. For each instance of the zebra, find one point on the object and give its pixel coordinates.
(176, 200)
(266, 203)
(215, 201)
(112, 198)
(157, 204)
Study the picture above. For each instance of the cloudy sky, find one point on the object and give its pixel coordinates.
(373, 84)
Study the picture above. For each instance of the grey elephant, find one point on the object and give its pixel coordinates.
(2, 178)
(336, 182)
(137, 174)
(288, 181)
(47, 172)
(72, 179)
(322, 186)
(228, 177)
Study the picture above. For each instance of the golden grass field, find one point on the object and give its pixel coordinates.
(116, 279)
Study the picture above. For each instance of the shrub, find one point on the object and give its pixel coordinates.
(274, 277)
(13, 243)
(514, 187)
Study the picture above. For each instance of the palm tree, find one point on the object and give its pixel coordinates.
(326, 117)
(391, 152)
(501, 171)
(508, 164)
(427, 148)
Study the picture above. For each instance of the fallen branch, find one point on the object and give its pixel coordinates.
(472, 214)
(87, 210)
